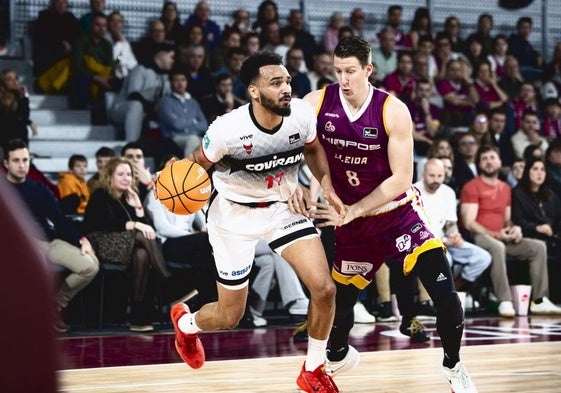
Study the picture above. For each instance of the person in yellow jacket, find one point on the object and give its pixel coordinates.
(72, 186)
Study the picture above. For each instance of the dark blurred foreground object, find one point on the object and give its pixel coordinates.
(27, 340)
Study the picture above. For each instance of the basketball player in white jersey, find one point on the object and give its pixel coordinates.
(256, 151)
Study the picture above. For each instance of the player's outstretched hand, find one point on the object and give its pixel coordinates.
(299, 201)
(324, 215)
(336, 202)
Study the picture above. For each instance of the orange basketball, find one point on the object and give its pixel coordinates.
(183, 187)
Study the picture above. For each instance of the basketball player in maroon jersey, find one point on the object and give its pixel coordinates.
(367, 136)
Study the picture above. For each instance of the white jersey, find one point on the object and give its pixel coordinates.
(253, 164)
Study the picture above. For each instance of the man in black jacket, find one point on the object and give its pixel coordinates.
(62, 244)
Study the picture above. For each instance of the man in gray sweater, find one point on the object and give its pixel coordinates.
(141, 92)
(179, 115)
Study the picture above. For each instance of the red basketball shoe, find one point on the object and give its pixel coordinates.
(189, 346)
(316, 381)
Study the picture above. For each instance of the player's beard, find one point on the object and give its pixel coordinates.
(432, 187)
(489, 173)
(271, 105)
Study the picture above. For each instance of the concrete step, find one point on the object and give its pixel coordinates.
(65, 148)
(42, 101)
(75, 132)
(43, 117)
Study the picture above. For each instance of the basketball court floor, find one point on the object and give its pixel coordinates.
(502, 355)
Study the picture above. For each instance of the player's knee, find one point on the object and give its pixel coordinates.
(324, 293)
(449, 305)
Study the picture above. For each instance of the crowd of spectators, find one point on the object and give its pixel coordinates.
(467, 92)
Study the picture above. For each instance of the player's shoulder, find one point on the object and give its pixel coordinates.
(240, 114)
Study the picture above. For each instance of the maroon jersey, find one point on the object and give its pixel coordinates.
(356, 145)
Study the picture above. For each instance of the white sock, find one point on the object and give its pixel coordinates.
(316, 353)
(187, 324)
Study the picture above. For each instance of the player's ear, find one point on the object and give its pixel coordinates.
(253, 92)
(369, 68)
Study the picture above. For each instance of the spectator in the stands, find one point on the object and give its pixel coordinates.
(424, 63)
(234, 61)
(145, 49)
(270, 36)
(483, 32)
(250, 43)
(519, 46)
(134, 152)
(330, 36)
(515, 172)
(485, 207)
(402, 82)
(102, 155)
(72, 186)
(385, 56)
(14, 109)
(490, 94)
(421, 25)
(527, 99)
(180, 117)
(474, 54)
(266, 12)
(240, 21)
(528, 134)
(96, 7)
(479, 128)
(201, 17)
(498, 57)
(512, 80)
(357, 25)
(459, 95)
(299, 81)
(465, 167)
(141, 91)
(453, 29)
(551, 124)
(169, 16)
(62, 244)
(116, 209)
(500, 136)
(124, 59)
(552, 70)
(553, 163)
(323, 69)
(92, 67)
(231, 38)
(288, 38)
(199, 77)
(394, 20)
(222, 101)
(535, 207)
(54, 32)
(425, 116)
(303, 38)
(443, 54)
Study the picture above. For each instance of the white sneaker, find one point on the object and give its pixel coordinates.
(459, 379)
(506, 309)
(349, 362)
(545, 307)
(259, 321)
(362, 315)
(299, 307)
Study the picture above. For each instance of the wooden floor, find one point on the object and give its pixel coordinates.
(532, 367)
